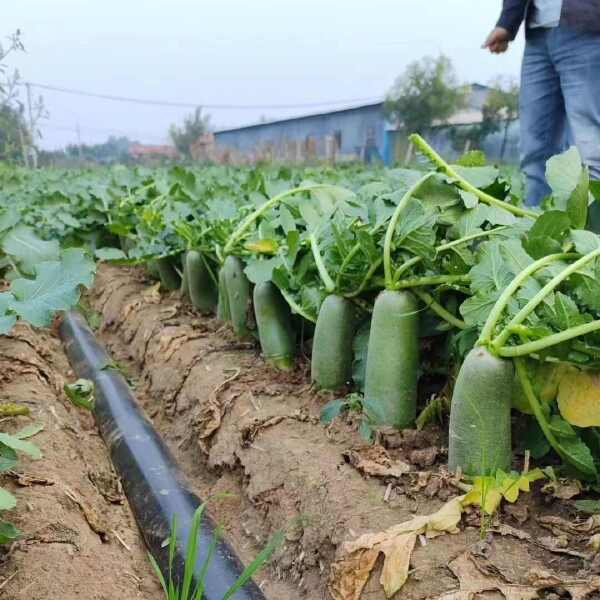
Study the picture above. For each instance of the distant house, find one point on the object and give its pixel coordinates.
(472, 112)
(354, 133)
(147, 151)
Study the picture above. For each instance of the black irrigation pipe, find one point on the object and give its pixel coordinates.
(152, 480)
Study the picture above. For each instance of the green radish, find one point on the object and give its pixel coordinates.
(274, 321)
(238, 294)
(480, 430)
(125, 243)
(393, 360)
(223, 312)
(331, 363)
(185, 288)
(202, 289)
(152, 269)
(169, 277)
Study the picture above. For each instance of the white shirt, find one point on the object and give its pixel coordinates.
(546, 13)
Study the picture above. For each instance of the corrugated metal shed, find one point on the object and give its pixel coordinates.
(354, 133)
(350, 133)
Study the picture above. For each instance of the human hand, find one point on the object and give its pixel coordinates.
(498, 40)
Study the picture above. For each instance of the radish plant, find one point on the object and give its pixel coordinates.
(534, 304)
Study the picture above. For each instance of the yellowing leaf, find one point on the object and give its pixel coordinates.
(488, 492)
(349, 573)
(484, 493)
(397, 562)
(263, 246)
(579, 398)
(446, 519)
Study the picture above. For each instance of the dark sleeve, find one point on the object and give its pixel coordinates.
(513, 14)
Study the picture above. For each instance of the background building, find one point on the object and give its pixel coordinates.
(355, 133)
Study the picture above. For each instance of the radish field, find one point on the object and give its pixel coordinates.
(367, 358)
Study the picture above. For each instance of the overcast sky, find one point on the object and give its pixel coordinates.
(235, 52)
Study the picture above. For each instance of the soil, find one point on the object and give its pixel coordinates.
(79, 538)
(239, 426)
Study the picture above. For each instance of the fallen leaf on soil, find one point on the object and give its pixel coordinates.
(559, 525)
(152, 294)
(397, 562)
(173, 339)
(346, 581)
(563, 489)
(475, 580)
(519, 512)
(96, 524)
(594, 542)
(503, 529)
(250, 431)
(54, 533)
(108, 485)
(208, 419)
(351, 573)
(375, 461)
(425, 457)
(25, 480)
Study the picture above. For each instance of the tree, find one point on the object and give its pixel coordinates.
(114, 150)
(13, 110)
(12, 126)
(13, 133)
(193, 127)
(502, 105)
(427, 92)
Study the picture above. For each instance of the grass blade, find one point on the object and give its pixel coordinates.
(172, 548)
(203, 571)
(192, 550)
(159, 574)
(256, 564)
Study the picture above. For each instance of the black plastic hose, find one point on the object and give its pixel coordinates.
(154, 484)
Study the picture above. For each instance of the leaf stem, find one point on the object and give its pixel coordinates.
(501, 339)
(405, 266)
(353, 252)
(430, 280)
(448, 246)
(437, 160)
(439, 310)
(320, 263)
(372, 270)
(253, 216)
(548, 341)
(296, 308)
(504, 299)
(389, 234)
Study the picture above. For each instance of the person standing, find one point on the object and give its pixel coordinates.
(560, 82)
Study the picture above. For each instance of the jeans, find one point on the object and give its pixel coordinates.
(559, 102)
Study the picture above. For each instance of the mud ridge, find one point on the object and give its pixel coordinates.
(79, 539)
(218, 405)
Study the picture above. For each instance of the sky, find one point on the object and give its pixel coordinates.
(259, 55)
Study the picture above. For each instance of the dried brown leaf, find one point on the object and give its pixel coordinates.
(397, 544)
(349, 575)
(376, 462)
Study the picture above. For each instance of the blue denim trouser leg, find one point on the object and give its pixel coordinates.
(560, 102)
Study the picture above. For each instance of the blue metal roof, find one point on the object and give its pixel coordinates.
(302, 117)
